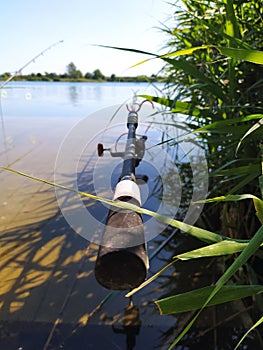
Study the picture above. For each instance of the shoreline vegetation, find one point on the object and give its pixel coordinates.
(72, 74)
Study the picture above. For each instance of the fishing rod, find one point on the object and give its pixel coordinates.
(122, 261)
(4, 83)
(32, 60)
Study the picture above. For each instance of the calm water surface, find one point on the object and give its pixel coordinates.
(35, 118)
(46, 99)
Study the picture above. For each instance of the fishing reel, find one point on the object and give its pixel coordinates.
(138, 155)
(139, 149)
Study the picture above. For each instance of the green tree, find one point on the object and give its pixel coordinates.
(73, 72)
(97, 75)
(112, 77)
(6, 75)
(88, 75)
(52, 76)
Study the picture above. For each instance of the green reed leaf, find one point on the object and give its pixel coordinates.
(185, 51)
(128, 50)
(225, 247)
(258, 203)
(226, 122)
(253, 56)
(241, 170)
(203, 235)
(249, 132)
(229, 198)
(195, 299)
(249, 250)
(149, 280)
(251, 329)
(175, 105)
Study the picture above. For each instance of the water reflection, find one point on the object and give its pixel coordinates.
(73, 94)
(97, 92)
(65, 99)
(131, 325)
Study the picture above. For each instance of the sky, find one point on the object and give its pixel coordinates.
(29, 27)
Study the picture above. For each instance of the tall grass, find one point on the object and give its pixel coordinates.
(214, 72)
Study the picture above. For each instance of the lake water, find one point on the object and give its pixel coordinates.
(76, 100)
(37, 120)
(40, 124)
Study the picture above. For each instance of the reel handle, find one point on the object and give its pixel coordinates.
(100, 149)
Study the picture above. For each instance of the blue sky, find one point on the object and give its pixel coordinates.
(29, 26)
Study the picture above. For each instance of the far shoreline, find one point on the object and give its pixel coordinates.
(135, 79)
(82, 81)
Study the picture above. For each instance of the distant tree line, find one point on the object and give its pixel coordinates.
(74, 74)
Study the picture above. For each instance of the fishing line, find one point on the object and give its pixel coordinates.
(19, 71)
(111, 119)
(3, 132)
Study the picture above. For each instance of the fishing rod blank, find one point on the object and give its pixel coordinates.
(125, 267)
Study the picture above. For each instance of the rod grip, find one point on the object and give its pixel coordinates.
(124, 267)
